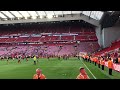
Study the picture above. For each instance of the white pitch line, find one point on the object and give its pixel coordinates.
(89, 70)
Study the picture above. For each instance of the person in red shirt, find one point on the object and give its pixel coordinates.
(83, 74)
(39, 75)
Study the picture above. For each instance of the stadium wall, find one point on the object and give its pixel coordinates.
(110, 34)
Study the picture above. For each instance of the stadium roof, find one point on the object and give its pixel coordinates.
(17, 15)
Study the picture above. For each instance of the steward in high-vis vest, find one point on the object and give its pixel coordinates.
(102, 63)
(87, 58)
(39, 75)
(95, 60)
(83, 74)
(110, 66)
(90, 59)
(34, 58)
(98, 62)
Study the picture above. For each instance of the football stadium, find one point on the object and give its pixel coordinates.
(59, 45)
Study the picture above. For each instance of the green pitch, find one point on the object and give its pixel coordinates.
(52, 69)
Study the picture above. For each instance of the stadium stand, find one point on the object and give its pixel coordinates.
(83, 35)
(48, 33)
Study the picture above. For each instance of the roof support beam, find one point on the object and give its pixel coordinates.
(1, 18)
(29, 14)
(45, 13)
(115, 13)
(37, 13)
(81, 13)
(62, 14)
(12, 14)
(71, 14)
(90, 15)
(21, 14)
(54, 13)
(67, 17)
(5, 15)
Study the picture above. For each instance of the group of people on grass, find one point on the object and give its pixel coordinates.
(100, 61)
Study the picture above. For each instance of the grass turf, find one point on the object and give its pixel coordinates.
(52, 69)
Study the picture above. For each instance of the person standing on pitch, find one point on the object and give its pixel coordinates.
(48, 57)
(83, 74)
(95, 60)
(98, 61)
(78, 57)
(90, 59)
(87, 58)
(110, 66)
(102, 63)
(34, 58)
(26, 58)
(19, 58)
(7, 60)
(58, 57)
(39, 75)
